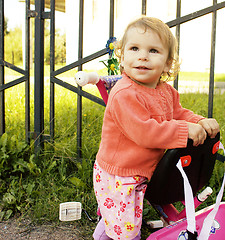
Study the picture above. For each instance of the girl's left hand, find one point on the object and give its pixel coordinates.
(210, 125)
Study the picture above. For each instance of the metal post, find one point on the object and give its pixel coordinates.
(27, 70)
(52, 69)
(144, 6)
(39, 75)
(111, 19)
(2, 73)
(79, 97)
(212, 63)
(178, 14)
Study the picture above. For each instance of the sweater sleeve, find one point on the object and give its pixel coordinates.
(134, 120)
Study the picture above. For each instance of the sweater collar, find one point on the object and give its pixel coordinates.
(142, 87)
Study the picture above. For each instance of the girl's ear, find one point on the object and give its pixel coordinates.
(122, 59)
(168, 65)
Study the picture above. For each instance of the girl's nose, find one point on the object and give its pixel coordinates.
(143, 56)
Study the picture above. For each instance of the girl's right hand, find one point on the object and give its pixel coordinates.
(197, 133)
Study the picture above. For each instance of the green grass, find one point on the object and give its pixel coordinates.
(200, 76)
(193, 76)
(36, 187)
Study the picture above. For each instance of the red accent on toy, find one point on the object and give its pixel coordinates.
(101, 87)
(216, 147)
(185, 160)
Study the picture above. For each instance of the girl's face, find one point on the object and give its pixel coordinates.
(144, 58)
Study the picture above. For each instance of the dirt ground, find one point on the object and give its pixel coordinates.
(15, 229)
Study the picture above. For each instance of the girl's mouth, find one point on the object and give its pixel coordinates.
(142, 68)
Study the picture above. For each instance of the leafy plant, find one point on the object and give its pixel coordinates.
(83, 178)
(13, 165)
(11, 157)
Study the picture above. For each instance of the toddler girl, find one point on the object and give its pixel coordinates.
(143, 117)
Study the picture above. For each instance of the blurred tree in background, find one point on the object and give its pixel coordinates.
(14, 45)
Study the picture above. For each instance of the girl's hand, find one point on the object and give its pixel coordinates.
(197, 133)
(210, 125)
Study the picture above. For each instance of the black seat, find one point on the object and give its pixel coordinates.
(166, 185)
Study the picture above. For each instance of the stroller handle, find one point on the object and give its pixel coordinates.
(83, 78)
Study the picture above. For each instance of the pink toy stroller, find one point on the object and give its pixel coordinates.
(180, 174)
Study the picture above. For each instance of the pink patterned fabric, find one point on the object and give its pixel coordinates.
(120, 200)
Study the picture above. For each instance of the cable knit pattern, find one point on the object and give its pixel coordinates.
(139, 124)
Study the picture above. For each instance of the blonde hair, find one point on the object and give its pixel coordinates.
(166, 37)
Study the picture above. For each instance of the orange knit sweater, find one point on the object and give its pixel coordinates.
(139, 124)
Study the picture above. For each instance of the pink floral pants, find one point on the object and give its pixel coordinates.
(120, 200)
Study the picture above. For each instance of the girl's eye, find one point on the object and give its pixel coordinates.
(134, 48)
(153, 51)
